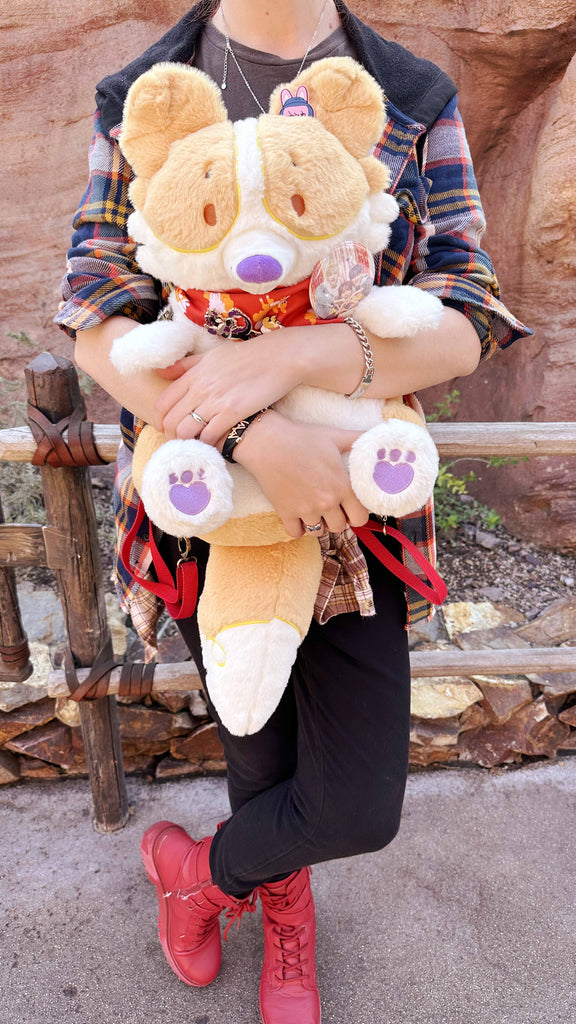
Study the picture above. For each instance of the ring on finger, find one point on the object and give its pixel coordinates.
(314, 529)
(196, 416)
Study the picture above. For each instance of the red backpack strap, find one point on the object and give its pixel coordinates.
(180, 597)
(434, 591)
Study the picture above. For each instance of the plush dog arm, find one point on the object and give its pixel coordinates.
(399, 312)
(153, 346)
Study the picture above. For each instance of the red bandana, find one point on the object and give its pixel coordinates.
(239, 315)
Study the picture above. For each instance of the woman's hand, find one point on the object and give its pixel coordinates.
(223, 386)
(300, 470)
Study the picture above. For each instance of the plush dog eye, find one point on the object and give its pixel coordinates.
(210, 214)
(298, 205)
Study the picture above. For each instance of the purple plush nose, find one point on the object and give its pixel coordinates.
(259, 269)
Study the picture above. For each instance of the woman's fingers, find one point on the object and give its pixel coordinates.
(335, 520)
(175, 370)
(171, 397)
(356, 513)
(219, 426)
(179, 421)
(292, 525)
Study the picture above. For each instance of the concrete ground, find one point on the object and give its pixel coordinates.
(467, 918)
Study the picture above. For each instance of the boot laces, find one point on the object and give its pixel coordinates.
(239, 907)
(202, 917)
(290, 941)
(290, 944)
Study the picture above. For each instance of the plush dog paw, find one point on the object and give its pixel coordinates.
(247, 670)
(186, 488)
(393, 467)
(395, 470)
(151, 346)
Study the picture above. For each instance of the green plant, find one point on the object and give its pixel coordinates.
(86, 383)
(21, 489)
(20, 483)
(453, 505)
(444, 409)
(12, 407)
(21, 337)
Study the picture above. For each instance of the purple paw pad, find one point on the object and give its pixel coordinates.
(187, 497)
(394, 477)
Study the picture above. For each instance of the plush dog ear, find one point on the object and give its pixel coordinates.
(166, 103)
(345, 98)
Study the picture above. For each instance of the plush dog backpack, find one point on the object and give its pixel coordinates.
(236, 216)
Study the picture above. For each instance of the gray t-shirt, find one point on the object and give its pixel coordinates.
(264, 71)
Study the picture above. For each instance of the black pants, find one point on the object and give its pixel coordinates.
(325, 776)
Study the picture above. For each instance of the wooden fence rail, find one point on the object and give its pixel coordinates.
(69, 545)
(423, 664)
(453, 440)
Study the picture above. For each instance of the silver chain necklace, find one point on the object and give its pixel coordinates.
(229, 50)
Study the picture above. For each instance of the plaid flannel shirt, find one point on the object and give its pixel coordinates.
(435, 245)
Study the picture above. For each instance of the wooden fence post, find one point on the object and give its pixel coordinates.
(15, 664)
(53, 388)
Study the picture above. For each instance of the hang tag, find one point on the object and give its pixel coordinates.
(341, 280)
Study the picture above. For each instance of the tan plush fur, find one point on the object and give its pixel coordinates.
(162, 110)
(196, 196)
(201, 183)
(149, 441)
(291, 167)
(286, 577)
(395, 409)
(261, 529)
(347, 101)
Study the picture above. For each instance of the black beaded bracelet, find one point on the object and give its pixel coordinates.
(236, 434)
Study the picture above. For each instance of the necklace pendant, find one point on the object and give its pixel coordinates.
(223, 86)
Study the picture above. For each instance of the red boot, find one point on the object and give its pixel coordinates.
(288, 989)
(190, 904)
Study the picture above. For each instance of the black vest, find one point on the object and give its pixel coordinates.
(416, 87)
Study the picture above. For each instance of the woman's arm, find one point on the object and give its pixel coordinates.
(330, 356)
(229, 383)
(137, 392)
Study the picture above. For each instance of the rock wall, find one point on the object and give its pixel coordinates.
(514, 63)
(484, 720)
(49, 66)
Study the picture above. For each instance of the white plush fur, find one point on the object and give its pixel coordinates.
(248, 666)
(317, 405)
(399, 311)
(153, 346)
(177, 457)
(389, 435)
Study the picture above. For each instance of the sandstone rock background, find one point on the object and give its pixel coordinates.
(514, 62)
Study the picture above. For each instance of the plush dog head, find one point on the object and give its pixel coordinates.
(255, 204)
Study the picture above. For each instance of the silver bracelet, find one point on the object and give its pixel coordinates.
(368, 356)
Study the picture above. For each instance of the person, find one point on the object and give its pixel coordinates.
(345, 300)
(325, 777)
(325, 294)
(361, 281)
